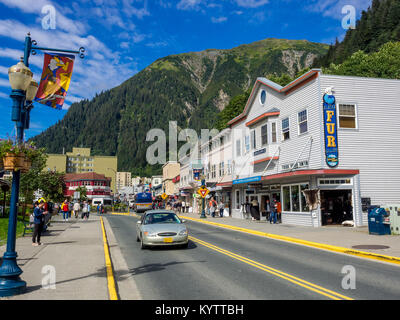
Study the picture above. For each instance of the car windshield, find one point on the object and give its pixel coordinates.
(166, 217)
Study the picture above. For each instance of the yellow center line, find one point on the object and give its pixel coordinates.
(305, 284)
(110, 276)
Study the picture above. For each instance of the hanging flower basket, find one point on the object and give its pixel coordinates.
(27, 165)
(14, 162)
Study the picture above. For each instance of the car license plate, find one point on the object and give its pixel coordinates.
(168, 240)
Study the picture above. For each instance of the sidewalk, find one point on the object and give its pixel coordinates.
(75, 250)
(345, 237)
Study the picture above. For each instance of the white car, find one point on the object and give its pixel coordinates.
(161, 228)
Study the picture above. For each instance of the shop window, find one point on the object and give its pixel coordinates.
(237, 199)
(273, 132)
(304, 206)
(294, 195)
(347, 116)
(264, 135)
(285, 129)
(303, 121)
(286, 198)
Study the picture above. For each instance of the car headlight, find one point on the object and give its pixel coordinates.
(183, 233)
(150, 234)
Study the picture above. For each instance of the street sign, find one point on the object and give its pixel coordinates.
(164, 196)
(203, 192)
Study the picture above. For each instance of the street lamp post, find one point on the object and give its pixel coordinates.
(23, 92)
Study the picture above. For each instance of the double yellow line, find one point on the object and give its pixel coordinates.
(302, 283)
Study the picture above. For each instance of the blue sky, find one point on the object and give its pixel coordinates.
(122, 37)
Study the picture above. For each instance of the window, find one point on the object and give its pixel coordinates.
(263, 97)
(347, 116)
(221, 169)
(303, 123)
(253, 140)
(237, 199)
(293, 198)
(229, 168)
(286, 198)
(285, 129)
(247, 144)
(238, 153)
(213, 171)
(264, 134)
(273, 129)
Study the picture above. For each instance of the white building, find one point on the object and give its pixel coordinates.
(284, 142)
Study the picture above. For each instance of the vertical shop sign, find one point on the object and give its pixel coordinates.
(330, 125)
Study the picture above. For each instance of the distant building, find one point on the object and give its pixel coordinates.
(170, 171)
(80, 160)
(97, 185)
(124, 179)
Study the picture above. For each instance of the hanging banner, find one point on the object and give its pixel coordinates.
(55, 80)
(330, 124)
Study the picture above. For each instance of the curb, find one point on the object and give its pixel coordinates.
(112, 292)
(357, 253)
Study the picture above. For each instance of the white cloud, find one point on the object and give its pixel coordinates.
(219, 20)
(251, 3)
(333, 8)
(189, 4)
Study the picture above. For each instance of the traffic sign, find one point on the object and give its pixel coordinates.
(203, 192)
(164, 196)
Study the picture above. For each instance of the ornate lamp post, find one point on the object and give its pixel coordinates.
(23, 92)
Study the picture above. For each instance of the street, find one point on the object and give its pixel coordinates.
(223, 264)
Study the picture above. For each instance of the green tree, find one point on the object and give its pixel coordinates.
(83, 193)
(53, 185)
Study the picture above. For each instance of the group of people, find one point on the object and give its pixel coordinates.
(272, 209)
(68, 207)
(214, 207)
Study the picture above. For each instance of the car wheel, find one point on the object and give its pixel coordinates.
(142, 245)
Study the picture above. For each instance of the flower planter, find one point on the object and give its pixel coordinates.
(27, 165)
(13, 162)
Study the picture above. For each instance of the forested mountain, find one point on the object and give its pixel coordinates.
(190, 88)
(378, 25)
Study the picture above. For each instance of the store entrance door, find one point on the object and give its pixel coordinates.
(336, 206)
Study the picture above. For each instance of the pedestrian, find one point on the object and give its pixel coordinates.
(268, 208)
(89, 207)
(221, 207)
(70, 208)
(213, 207)
(183, 206)
(273, 212)
(84, 210)
(77, 208)
(254, 210)
(65, 210)
(38, 222)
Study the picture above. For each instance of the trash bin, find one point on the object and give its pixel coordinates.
(394, 211)
(378, 221)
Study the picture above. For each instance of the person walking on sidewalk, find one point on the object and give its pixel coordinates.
(65, 210)
(38, 222)
(84, 210)
(77, 208)
(273, 212)
(221, 207)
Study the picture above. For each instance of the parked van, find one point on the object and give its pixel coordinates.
(104, 202)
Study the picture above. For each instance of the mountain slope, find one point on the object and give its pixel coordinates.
(190, 88)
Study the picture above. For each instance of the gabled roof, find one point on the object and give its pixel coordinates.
(295, 84)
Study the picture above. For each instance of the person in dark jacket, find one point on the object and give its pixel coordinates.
(38, 221)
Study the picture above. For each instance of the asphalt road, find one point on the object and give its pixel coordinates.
(222, 264)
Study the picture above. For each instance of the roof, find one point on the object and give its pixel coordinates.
(85, 176)
(295, 84)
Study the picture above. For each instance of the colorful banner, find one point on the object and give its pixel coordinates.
(330, 124)
(55, 80)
